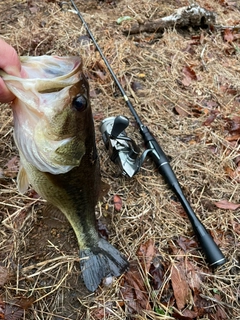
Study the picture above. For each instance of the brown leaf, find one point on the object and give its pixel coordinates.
(117, 201)
(202, 306)
(227, 3)
(209, 103)
(2, 309)
(194, 277)
(234, 125)
(233, 174)
(210, 118)
(157, 273)
(227, 88)
(189, 75)
(134, 292)
(228, 35)
(102, 313)
(101, 75)
(25, 303)
(4, 275)
(146, 253)
(234, 137)
(221, 314)
(236, 227)
(189, 72)
(185, 315)
(13, 312)
(237, 159)
(225, 204)
(12, 167)
(186, 243)
(136, 85)
(181, 111)
(180, 285)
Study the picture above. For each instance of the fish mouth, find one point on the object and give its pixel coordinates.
(51, 76)
(44, 91)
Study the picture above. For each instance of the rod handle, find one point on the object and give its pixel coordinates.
(213, 254)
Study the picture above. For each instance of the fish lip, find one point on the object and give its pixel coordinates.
(39, 99)
(45, 71)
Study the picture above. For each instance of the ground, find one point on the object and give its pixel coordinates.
(184, 84)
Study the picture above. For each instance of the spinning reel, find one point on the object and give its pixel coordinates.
(123, 151)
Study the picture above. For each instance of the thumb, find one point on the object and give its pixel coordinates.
(9, 60)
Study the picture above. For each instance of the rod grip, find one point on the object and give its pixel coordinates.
(213, 254)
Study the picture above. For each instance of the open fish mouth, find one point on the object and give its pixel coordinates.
(43, 93)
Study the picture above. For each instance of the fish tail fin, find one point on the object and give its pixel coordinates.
(101, 261)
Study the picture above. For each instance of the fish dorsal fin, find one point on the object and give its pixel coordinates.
(22, 180)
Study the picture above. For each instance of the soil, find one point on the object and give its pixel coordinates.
(184, 84)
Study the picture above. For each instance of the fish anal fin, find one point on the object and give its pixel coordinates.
(99, 262)
(22, 180)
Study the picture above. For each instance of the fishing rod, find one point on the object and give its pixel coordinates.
(117, 141)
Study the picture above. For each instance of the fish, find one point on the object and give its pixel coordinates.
(55, 136)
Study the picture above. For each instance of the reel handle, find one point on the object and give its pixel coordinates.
(119, 125)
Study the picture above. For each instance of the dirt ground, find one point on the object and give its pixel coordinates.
(184, 84)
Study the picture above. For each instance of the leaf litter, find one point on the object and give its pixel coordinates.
(189, 98)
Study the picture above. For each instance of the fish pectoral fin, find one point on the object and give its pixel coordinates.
(22, 180)
(99, 262)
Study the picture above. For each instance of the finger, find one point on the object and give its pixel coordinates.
(9, 60)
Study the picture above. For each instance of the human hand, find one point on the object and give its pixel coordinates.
(10, 63)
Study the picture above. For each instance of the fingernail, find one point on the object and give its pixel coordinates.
(13, 71)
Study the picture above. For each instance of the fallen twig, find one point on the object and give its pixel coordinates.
(193, 15)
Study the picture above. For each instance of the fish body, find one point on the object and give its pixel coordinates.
(54, 133)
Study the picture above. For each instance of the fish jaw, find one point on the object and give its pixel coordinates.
(46, 91)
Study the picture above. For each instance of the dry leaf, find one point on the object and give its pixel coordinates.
(210, 118)
(12, 167)
(2, 309)
(194, 277)
(117, 201)
(181, 111)
(225, 204)
(146, 253)
(157, 273)
(136, 86)
(186, 315)
(236, 227)
(134, 292)
(234, 125)
(13, 312)
(102, 312)
(228, 35)
(186, 243)
(3, 275)
(189, 76)
(180, 286)
(233, 174)
(221, 314)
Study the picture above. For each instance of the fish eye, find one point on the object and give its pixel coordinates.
(80, 103)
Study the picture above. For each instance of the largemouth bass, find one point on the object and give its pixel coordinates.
(54, 133)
